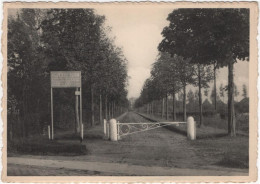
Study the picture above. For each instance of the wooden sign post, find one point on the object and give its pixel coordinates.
(66, 79)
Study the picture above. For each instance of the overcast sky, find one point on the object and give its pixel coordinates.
(138, 32)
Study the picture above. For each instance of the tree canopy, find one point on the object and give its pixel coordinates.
(40, 41)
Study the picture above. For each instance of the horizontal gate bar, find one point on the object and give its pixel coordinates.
(170, 123)
(142, 130)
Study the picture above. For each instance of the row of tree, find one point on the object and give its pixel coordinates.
(197, 42)
(40, 41)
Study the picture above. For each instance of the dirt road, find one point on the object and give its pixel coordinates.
(157, 148)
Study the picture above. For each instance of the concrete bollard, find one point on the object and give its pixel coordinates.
(105, 127)
(113, 130)
(191, 128)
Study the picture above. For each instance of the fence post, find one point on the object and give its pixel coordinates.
(113, 130)
(191, 128)
(82, 131)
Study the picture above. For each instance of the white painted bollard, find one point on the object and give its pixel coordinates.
(105, 127)
(49, 132)
(113, 130)
(82, 131)
(191, 128)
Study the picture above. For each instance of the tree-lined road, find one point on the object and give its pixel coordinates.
(159, 150)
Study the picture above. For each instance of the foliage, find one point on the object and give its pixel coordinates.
(210, 36)
(40, 41)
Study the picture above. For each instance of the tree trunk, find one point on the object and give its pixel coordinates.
(24, 112)
(200, 97)
(173, 107)
(77, 126)
(109, 110)
(231, 113)
(92, 106)
(152, 107)
(100, 109)
(162, 107)
(215, 88)
(106, 108)
(112, 109)
(166, 101)
(184, 103)
(115, 107)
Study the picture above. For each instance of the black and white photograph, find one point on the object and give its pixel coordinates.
(136, 90)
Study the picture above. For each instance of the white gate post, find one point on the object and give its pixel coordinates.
(82, 131)
(191, 128)
(113, 130)
(105, 127)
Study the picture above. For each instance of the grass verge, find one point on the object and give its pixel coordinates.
(40, 146)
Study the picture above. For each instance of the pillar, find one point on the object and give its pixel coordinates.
(191, 128)
(113, 130)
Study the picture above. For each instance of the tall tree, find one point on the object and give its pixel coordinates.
(214, 97)
(215, 66)
(204, 76)
(185, 75)
(26, 76)
(209, 36)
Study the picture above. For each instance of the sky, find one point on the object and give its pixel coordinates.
(138, 32)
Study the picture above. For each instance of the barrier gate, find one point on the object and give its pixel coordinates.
(114, 130)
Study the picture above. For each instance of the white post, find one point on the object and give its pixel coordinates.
(49, 131)
(113, 130)
(105, 127)
(82, 131)
(191, 128)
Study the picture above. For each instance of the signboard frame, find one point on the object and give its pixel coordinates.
(63, 80)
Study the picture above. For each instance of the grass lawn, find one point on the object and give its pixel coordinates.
(230, 152)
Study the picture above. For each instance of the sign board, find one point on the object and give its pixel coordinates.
(77, 92)
(65, 79)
